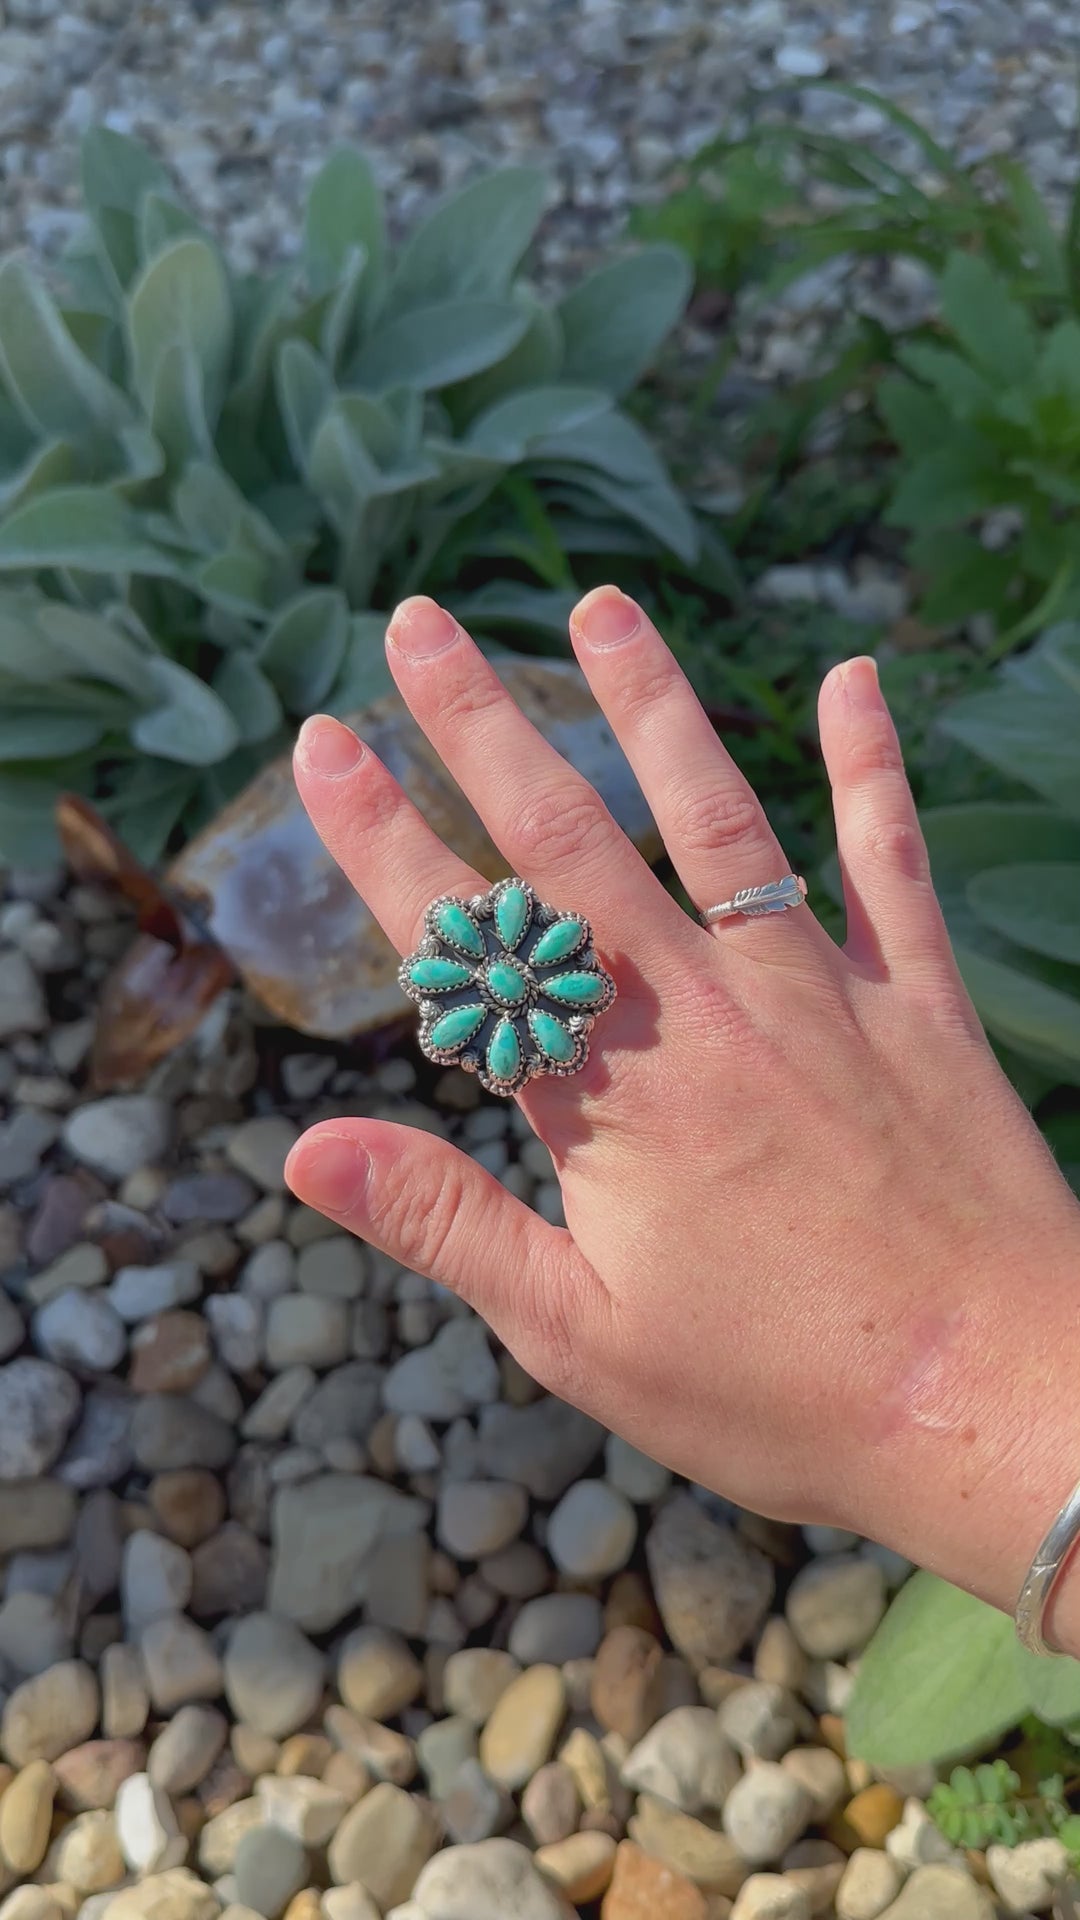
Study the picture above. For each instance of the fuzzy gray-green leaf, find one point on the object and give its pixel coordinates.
(616, 320)
(84, 527)
(430, 347)
(303, 650)
(344, 212)
(55, 387)
(182, 295)
(191, 724)
(470, 245)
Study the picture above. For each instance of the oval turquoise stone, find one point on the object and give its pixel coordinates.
(563, 938)
(454, 1028)
(455, 925)
(439, 975)
(511, 913)
(555, 1041)
(504, 1051)
(575, 989)
(505, 981)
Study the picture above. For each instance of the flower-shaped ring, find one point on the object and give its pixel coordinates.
(507, 986)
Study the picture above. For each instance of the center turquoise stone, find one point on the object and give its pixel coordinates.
(506, 982)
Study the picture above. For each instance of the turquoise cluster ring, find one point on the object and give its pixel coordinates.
(507, 986)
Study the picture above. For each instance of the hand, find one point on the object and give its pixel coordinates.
(804, 1208)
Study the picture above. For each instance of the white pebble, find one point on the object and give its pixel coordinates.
(146, 1827)
(592, 1530)
(81, 1330)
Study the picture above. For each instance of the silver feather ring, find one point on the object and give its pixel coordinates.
(775, 897)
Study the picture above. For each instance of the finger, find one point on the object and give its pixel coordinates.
(549, 822)
(892, 910)
(713, 825)
(380, 840)
(429, 1206)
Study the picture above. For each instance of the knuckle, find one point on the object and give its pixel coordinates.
(715, 821)
(558, 825)
(468, 697)
(645, 691)
(898, 846)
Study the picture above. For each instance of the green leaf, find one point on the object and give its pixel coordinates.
(303, 650)
(1059, 366)
(305, 388)
(510, 603)
(508, 429)
(993, 329)
(536, 361)
(614, 459)
(56, 388)
(470, 246)
(1029, 734)
(1037, 905)
(27, 821)
(912, 414)
(116, 173)
(40, 734)
(1053, 1686)
(182, 295)
(191, 725)
(365, 673)
(161, 221)
(615, 322)
(83, 527)
(344, 213)
(430, 347)
(249, 696)
(938, 1680)
(967, 394)
(946, 488)
(1025, 1012)
(95, 648)
(176, 410)
(52, 463)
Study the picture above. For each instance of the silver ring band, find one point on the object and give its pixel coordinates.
(1046, 1569)
(775, 897)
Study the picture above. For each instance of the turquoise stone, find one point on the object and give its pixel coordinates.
(455, 925)
(555, 1041)
(454, 1028)
(504, 1051)
(505, 982)
(511, 914)
(563, 938)
(575, 989)
(439, 975)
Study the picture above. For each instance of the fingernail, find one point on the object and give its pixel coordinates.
(859, 680)
(328, 1171)
(420, 628)
(605, 618)
(329, 748)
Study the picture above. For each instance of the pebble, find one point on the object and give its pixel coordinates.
(99, 1450)
(35, 1514)
(765, 1812)
(229, 1573)
(871, 1880)
(760, 1719)
(88, 1777)
(941, 1893)
(334, 1269)
(186, 1749)
(475, 1808)
(207, 1199)
(49, 1713)
(348, 1903)
(188, 1504)
(155, 1579)
(1025, 1878)
(270, 1867)
(222, 1834)
(171, 1430)
(12, 1331)
(26, 1816)
(377, 1674)
(823, 1775)
(38, 1403)
(169, 1353)
(556, 1627)
(273, 1675)
(304, 1330)
(308, 1809)
(88, 1855)
(685, 1759)
(175, 1894)
(627, 1683)
(22, 999)
(454, 1373)
(834, 1604)
(817, 1866)
(799, 61)
(713, 1590)
(692, 1848)
(551, 1804)
(125, 1697)
(146, 1827)
(181, 1663)
(136, 1293)
(259, 1148)
(384, 1842)
(778, 1657)
(119, 1134)
(323, 1534)
(415, 1445)
(873, 1813)
(592, 1531)
(342, 1406)
(633, 1474)
(580, 1866)
(477, 1517)
(768, 1896)
(543, 1447)
(643, 1888)
(81, 1330)
(281, 1399)
(34, 1632)
(475, 1680)
(523, 1727)
(489, 1881)
(79, 1268)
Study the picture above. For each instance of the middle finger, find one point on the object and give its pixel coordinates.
(549, 822)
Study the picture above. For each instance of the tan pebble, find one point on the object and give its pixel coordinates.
(381, 1446)
(443, 1574)
(859, 1775)
(125, 1701)
(7, 1775)
(873, 1813)
(170, 1353)
(226, 1785)
(581, 1865)
(603, 1820)
(31, 1903)
(305, 1905)
(305, 1753)
(628, 1682)
(89, 1777)
(385, 1753)
(176, 1894)
(584, 1757)
(630, 1604)
(188, 1504)
(383, 1842)
(66, 1898)
(53, 1711)
(717, 1684)
(191, 1816)
(87, 1856)
(817, 1867)
(770, 1896)
(821, 1772)
(646, 1889)
(253, 1752)
(26, 1816)
(705, 1856)
(831, 1729)
(524, 1726)
(779, 1657)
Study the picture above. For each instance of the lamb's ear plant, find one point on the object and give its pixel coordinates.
(214, 484)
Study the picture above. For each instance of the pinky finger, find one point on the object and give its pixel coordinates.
(893, 913)
(429, 1206)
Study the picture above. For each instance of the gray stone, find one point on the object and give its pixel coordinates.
(642, 1480)
(24, 1139)
(208, 1199)
(229, 1573)
(119, 1134)
(685, 1759)
(273, 1675)
(35, 1513)
(155, 1579)
(98, 1454)
(543, 1447)
(22, 1000)
(442, 1748)
(834, 1605)
(304, 1330)
(270, 1867)
(759, 1719)
(477, 1517)
(592, 1530)
(186, 1749)
(236, 1326)
(181, 1663)
(259, 1148)
(475, 1808)
(454, 1373)
(1026, 1877)
(34, 1632)
(324, 1533)
(81, 1330)
(334, 1269)
(169, 1430)
(342, 1406)
(488, 1881)
(557, 1627)
(277, 1405)
(765, 1812)
(38, 1403)
(308, 1809)
(712, 1589)
(138, 1293)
